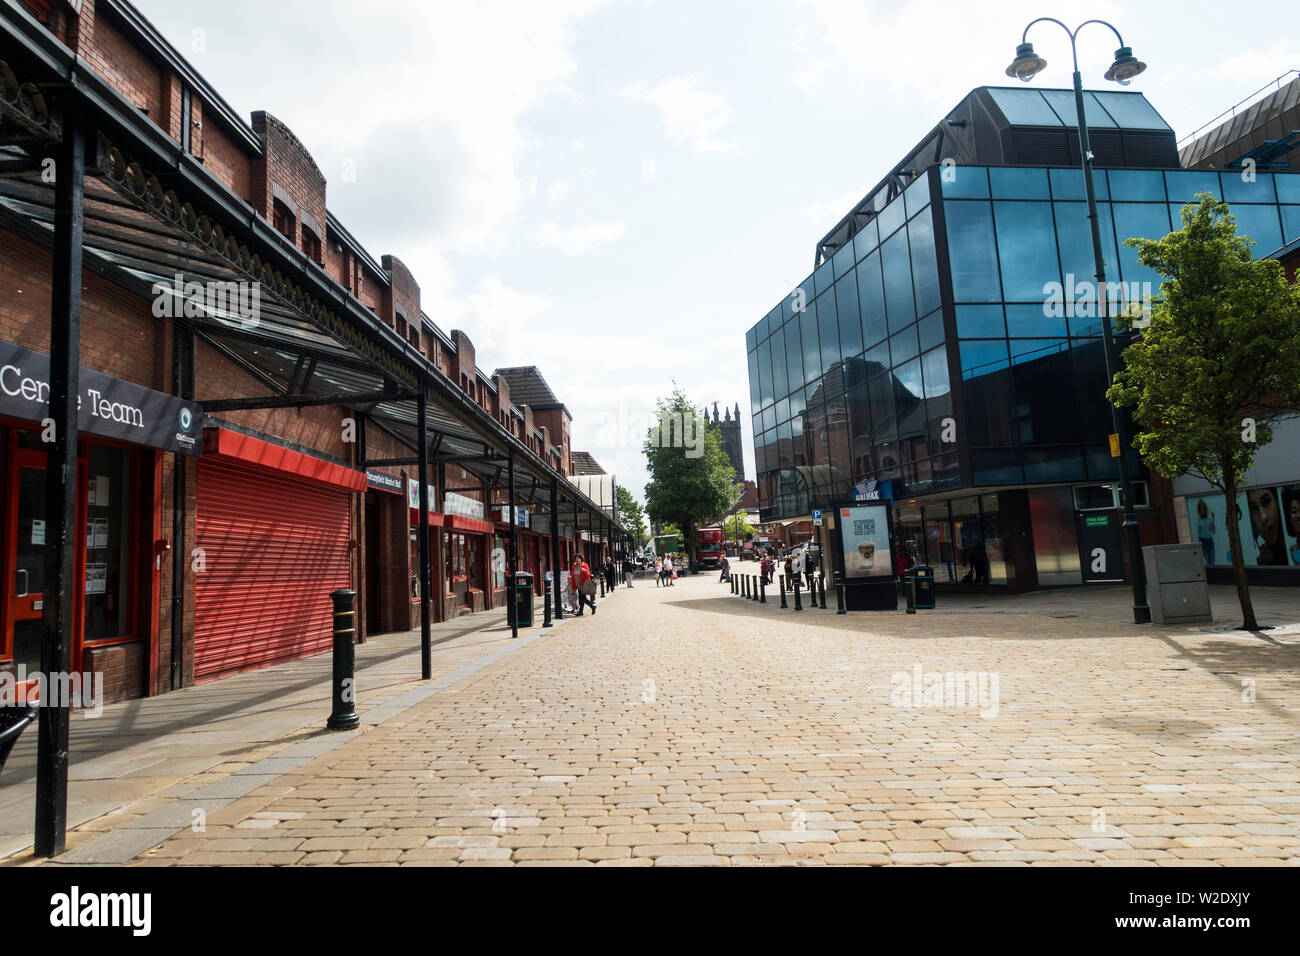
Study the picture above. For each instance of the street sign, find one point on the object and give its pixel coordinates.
(817, 517)
(1114, 445)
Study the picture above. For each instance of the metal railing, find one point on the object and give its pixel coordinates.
(1232, 110)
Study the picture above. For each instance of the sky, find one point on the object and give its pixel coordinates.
(616, 190)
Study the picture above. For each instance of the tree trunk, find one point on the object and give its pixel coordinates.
(1238, 560)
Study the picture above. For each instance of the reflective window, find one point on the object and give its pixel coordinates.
(751, 339)
(1183, 185)
(823, 279)
(871, 299)
(930, 331)
(1026, 249)
(917, 196)
(934, 368)
(988, 407)
(1068, 184)
(903, 346)
(1062, 101)
(828, 330)
(897, 269)
(1290, 223)
(1261, 224)
(972, 252)
(754, 400)
(1034, 320)
(765, 373)
(843, 260)
(1144, 220)
(891, 217)
(877, 359)
(780, 384)
(925, 269)
(846, 304)
(793, 356)
(964, 182)
(812, 359)
(1074, 239)
(867, 239)
(996, 466)
(1024, 107)
(982, 356)
(797, 403)
(1288, 187)
(1018, 182)
(1236, 189)
(1029, 350)
(1131, 110)
(980, 321)
(1137, 185)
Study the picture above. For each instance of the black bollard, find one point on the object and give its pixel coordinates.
(839, 593)
(762, 590)
(753, 590)
(823, 592)
(733, 584)
(783, 604)
(546, 603)
(798, 604)
(744, 586)
(344, 715)
(602, 582)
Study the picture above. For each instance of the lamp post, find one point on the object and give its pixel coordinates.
(1025, 67)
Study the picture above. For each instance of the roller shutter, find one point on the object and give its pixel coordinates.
(273, 549)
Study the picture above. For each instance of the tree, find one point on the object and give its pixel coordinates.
(737, 527)
(692, 482)
(631, 515)
(1219, 363)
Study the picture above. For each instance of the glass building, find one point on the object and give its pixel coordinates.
(946, 352)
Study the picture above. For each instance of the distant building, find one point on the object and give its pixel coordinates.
(729, 428)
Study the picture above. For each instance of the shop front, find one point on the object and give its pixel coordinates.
(274, 538)
(119, 543)
(468, 540)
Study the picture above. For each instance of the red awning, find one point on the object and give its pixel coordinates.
(224, 443)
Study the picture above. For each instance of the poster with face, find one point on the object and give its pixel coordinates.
(865, 530)
(1266, 525)
(1291, 520)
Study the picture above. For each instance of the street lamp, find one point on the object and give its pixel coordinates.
(1025, 67)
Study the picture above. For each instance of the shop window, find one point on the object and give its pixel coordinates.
(109, 577)
(415, 564)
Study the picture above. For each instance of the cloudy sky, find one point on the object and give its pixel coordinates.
(615, 190)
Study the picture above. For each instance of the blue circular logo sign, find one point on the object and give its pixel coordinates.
(186, 419)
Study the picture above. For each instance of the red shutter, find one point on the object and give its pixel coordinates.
(274, 549)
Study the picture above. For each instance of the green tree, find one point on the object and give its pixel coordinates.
(692, 482)
(736, 527)
(631, 516)
(1219, 363)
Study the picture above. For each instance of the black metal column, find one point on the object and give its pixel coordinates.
(183, 384)
(555, 548)
(426, 599)
(512, 565)
(61, 577)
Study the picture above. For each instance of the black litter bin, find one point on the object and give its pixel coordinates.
(921, 582)
(523, 599)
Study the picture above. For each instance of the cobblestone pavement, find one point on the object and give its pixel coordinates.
(688, 727)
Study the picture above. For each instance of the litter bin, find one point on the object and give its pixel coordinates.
(523, 599)
(920, 583)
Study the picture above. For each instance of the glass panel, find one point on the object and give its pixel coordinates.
(1034, 320)
(1137, 185)
(969, 556)
(843, 260)
(780, 384)
(1056, 547)
(763, 329)
(877, 359)
(1290, 223)
(751, 339)
(1183, 185)
(899, 307)
(797, 402)
(1068, 184)
(846, 303)
(1261, 224)
(860, 429)
(1024, 107)
(1054, 464)
(765, 373)
(987, 393)
(1026, 249)
(868, 238)
(925, 268)
(930, 330)
(871, 299)
(934, 367)
(783, 410)
(29, 580)
(982, 356)
(972, 252)
(997, 568)
(1063, 102)
(812, 368)
(917, 196)
(1018, 182)
(891, 217)
(964, 182)
(755, 401)
(1287, 186)
(938, 545)
(793, 357)
(1236, 189)
(1131, 110)
(769, 417)
(980, 321)
(1145, 220)
(108, 552)
(828, 330)
(903, 346)
(996, 466)
(1074, 236)
(1045, 408)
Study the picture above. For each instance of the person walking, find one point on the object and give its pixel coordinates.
(659, 572)
(580, 578)
(726, 571)
(670, 574)
(789, 571)
(809, 566)
(610, 574)
(627, 569)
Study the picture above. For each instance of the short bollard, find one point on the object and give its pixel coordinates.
(839, 593)
(783, 604)
(753, 589)
(733, 584)
(909, 592)
(798, 604)
(822, 588)
(602, 583)
(546, 603)
(744, 586)
(344, 715)
(762, 590)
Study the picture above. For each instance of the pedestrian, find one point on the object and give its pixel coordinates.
(809, 566)
(726, 571)
(580, 578)
(789, 571)
(610, 574)
(659, 572)
(628, 568)
(670, 573)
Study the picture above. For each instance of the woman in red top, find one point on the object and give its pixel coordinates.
(578, 576)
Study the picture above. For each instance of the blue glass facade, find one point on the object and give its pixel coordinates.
(954, 344)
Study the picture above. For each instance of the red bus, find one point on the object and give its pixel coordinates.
(710, 547)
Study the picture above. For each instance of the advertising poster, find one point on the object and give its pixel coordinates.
(865, 530)
(1268, 520)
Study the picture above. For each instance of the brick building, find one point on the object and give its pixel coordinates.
(259, 394)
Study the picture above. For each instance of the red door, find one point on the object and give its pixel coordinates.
(272, 550)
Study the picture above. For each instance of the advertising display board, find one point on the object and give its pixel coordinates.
(864, 531)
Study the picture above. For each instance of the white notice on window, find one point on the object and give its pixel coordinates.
(38, 531)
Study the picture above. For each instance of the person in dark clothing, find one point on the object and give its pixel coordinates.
(610, 574)
(809, 567)
(628, 568)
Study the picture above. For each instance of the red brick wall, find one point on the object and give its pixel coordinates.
(129, 70)
(285, 162)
